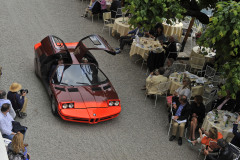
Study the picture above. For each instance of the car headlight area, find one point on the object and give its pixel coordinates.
(113, 103)
(67, 105)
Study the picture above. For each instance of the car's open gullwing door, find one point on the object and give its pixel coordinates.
(92, 42)
(53, 48)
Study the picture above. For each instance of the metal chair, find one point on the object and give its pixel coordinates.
(179, 67)
(107, 23)
(117, 13)
(213, 145)
(235, 150)
(170, 125)
(208, 96)
(196, 63)
(209, 73)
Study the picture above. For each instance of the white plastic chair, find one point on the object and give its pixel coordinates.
(107, 23)
(162, 89)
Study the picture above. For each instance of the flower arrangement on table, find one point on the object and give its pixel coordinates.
(203, 51)
(198, 35)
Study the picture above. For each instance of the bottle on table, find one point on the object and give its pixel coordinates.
(216, 115)
(181, 78)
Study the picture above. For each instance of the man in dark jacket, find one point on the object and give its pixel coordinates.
(225, 152)
(139, 31)
(236, 138)
(224, 103)
(113, 8)
(19, 101)
(179, 118)
(171, 48)
(95, 8)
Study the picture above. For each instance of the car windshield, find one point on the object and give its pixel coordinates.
(78, 74)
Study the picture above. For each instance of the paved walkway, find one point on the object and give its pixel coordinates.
(140, 132)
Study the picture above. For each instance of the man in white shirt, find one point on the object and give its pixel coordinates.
(6, 122)
(4, 100)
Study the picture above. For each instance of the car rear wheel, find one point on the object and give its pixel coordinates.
(54, 108)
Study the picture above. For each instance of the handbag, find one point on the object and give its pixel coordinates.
(17, 127)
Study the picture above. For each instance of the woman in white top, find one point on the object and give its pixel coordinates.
(183, 90)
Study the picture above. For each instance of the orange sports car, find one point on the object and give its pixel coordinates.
(78, 89)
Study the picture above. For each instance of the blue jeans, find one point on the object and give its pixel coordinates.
(11, 135)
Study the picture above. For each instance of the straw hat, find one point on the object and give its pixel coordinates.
(15, 87)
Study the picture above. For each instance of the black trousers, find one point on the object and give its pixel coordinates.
(125, 40)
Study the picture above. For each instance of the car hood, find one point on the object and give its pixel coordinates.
(86, 96)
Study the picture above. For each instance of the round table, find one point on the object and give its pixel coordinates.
(208, 57)
(120, 27)
(175, 84)
(225, 130)
(175, 29)
(143, 48)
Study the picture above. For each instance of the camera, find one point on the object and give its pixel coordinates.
(23, 91)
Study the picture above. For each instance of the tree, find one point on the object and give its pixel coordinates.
(222, 34)
(150, 12)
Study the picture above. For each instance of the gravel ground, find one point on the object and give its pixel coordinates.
(140, 132)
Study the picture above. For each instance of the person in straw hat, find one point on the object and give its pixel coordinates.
(18, 100)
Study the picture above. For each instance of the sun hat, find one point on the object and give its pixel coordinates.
(15, 87)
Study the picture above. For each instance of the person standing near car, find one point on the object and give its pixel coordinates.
(19, 101)
(4, 100)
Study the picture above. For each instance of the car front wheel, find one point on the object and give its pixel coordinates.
(54, 108)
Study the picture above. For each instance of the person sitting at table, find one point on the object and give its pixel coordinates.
(113, 8)
(206, 137)
(224, 103)
(225, 152)
(103, 6)
(236, 138)
(94, 7)
(180, 113)
(168, 68)
(183, 90)
(197, 115)
(157, 33)
(139, 31)
(154, 79)
(171, 48)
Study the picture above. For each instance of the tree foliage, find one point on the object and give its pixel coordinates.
(222, 34)
(150, 12)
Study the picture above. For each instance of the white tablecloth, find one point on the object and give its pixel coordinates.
(226, 131)
(175, 29)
